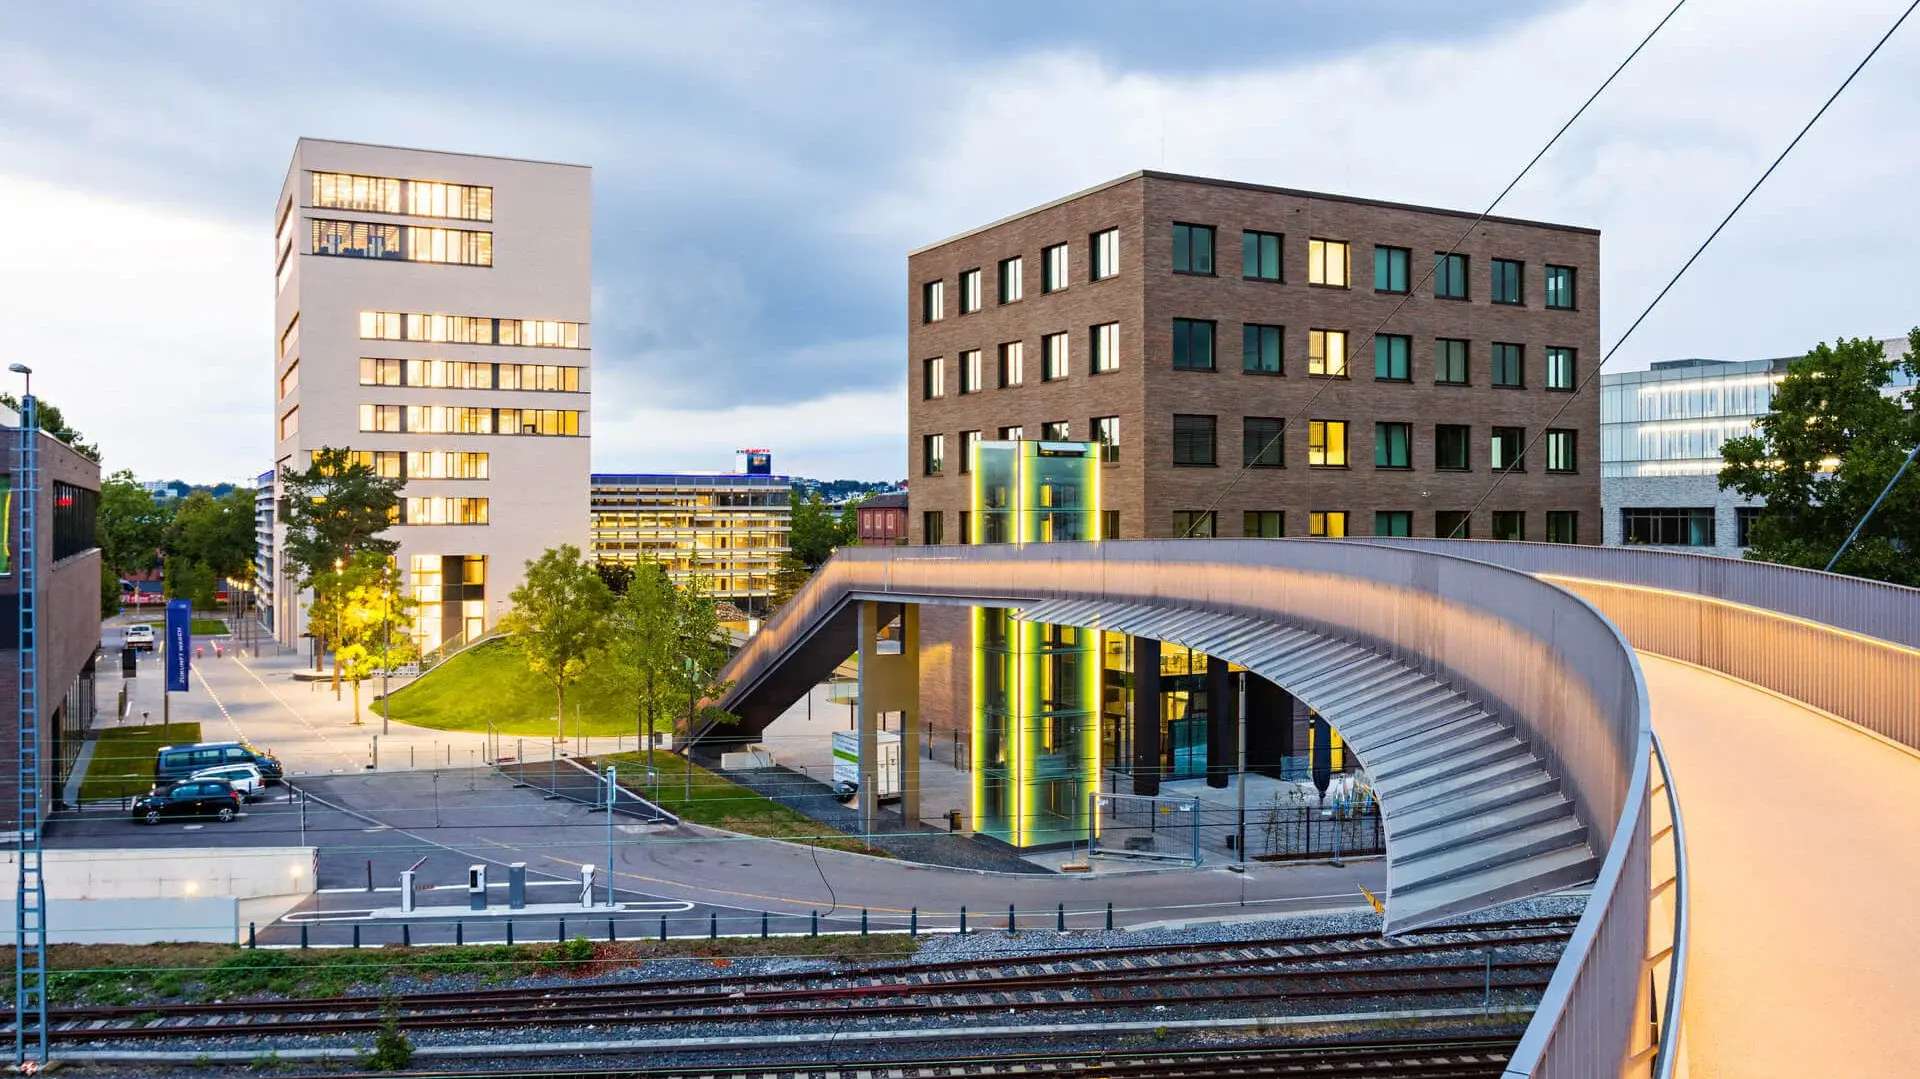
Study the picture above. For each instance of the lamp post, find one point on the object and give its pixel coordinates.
(338, 628)
(386, 646)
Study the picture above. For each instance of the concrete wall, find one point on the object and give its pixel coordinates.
(143, 874)
(1674, 492)
(134, 921)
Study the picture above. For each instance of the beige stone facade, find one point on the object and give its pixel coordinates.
(431, 308)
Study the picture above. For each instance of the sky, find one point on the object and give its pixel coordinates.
(762, 169)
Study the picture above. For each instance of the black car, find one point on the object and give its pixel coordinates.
(193, 798)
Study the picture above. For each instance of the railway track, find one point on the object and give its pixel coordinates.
(1362, 971)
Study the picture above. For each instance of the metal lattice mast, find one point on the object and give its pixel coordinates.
(30, 897)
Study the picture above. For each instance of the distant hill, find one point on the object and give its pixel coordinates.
(176, 489)
(840, 490)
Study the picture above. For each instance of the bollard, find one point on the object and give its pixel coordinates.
(369, 874)
(560, 937)
(251, 941)
(406, 934)
(610, 937)
(913, 922)
(1010, 926)
(863, 921)
(509, 932)
(1109, 917)
(816, 925)
(1061, 925)
(963, 920)
(356, 936)
(303, 935)
(763, 925)
(459, 932)
(713, 925)
(663, 927)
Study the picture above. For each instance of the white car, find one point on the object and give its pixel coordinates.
(139, 637)
(246, 778)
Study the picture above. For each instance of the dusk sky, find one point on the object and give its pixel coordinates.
(761, 171)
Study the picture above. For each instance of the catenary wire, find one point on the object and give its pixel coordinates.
(1352, 349)
(1684, 267)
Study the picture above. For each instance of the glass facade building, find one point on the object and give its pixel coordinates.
(728, 530)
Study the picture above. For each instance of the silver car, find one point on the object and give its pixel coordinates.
(246, 778)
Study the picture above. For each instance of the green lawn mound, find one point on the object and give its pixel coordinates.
(124, 756)
(491, 681)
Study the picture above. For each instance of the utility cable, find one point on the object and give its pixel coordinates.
(1247, 466)
(1691, 259)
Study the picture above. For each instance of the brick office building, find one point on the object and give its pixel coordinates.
(1215, 336)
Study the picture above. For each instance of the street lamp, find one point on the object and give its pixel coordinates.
(386, 645)
(338, 629)
(23, 369)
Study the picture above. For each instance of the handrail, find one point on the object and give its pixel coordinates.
(1671, 1018)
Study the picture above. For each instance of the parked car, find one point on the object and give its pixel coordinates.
(192, 798)
(139, 637)
(246, 778)
(178, 762)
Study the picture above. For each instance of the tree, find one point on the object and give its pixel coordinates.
(190, 579)
(617, 575)
(55, 424)
(1825, 452)
(642, 649)
(789, 576)
(375, 620)
(703, 651)
(559, 619)
(816, 531)
(130, 525)
(335, 508)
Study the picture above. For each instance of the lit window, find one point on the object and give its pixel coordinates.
(1508, 277)
(343, 191)
(933, 378)
(1053, 357)
(969, 291)
(1327, 263)
(439, 510)
(1105, 250)
(1010, 283)
(1390, 266)
(1327, 353)
(376, 372)
(1327, 524)
(381, 418)
(1106, 431)
(933, 451)
(1012, 434)
(290, 423)
(1560, 287)
(290, 336)
(1260, 349)
(1192, 345)
(1327, 443)
(290, 379)
(1193, 249)
(933, 301)
(1053, 268)
(1392, 358)
(1450, 276)
(1560, 450)
(360, 239)
(1013, 357)
(1260, 256)
(970, 371)
(969, 442)
(1560, 368)
(1106, 347)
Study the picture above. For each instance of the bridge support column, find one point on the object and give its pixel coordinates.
(1269, 726)
(1222, 733)
(889, 682)
(1146, 717)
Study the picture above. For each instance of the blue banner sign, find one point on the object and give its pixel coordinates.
(179, 644)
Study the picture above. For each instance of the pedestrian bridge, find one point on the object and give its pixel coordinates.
(1493, 691)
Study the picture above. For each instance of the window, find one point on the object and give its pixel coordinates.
(1668, 527)
(1563, 526)
(1106, 431)
(1012, 434)
(1053, 357)
(1509, 525)
(538, 421)
(438, 510)
(1393, 523)
(1193, 440)
(1392, 445)
(1193, 524)
(1559, 368)
(1743, 519)
(1260, 349)
(1105, 342)
(341, 191)
(469, 329)
(969, 441)
(1327, 353)
(1260, 256)
(409, 243)
(289, 379)
(969, 291)
(1507, 366)
(1507, 277)
(933, 454)
(1103, 249)
(1056, 431)
(1560, 450)
(1053, 268)
(506, 376)
(1013, 357)
(1193, 249)
(970, 371)
(290, 336)
(1327, 443)
(1109, 524)
(1260, 443)
(1327, 263)
(1390, 266)
(290, 423)
(1010, 283)
(1192, 345)
(965, 533)
(933, 527)
(1449, 276)
(1560, 287)
(381, 418)
(1506, 449)
(933, 301)
(375, 372)
(387, 464)
(933, 378)
(1327, 524)
(425, 199)
(1392, 358)
(385, 195)
(1451, 524)
(1450, 447)
(1450, 361)
(1263, 524)
(445, 465)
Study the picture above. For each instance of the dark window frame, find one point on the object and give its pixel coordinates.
(1187, 440)
(1571, 436)
(1570, 293)
(1185, 530)
(1002, 278)
(1385, 342)
(1515, 439)
(1446, 522)
(1253, 524)
(1270, 449)
(1465, 358)
(1257, 239)
(1185, 252)
(1187, 326)
(1256, 334)
(1561, 522)
(1518, 270)
(1402, 517)
(1382, 441)
(1496, 367)
(1444, 432)
(1449, 268)
(1650, 525)
(1383, 260)
(1516, 518)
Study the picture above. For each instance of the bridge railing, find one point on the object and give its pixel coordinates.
(1538, 656)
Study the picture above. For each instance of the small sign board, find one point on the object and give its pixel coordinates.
(179, 644)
